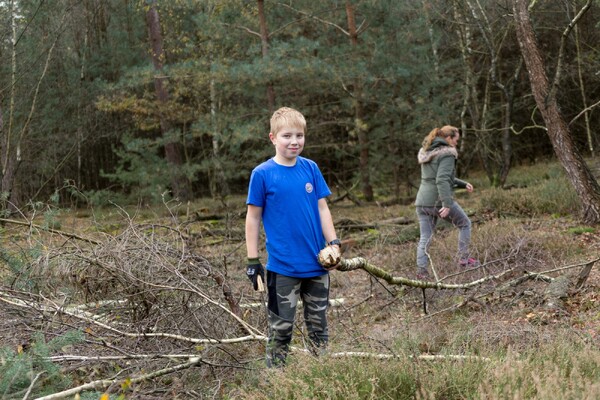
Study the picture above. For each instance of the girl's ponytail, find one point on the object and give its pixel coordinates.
(443, 132)
(429, 138)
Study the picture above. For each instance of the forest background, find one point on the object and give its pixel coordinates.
(133, 100)
(126, 104)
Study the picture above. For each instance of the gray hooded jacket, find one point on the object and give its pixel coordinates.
(438, 166)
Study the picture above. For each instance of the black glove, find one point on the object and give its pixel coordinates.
(254, 269)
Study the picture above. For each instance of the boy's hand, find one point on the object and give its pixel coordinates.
(256, 274)
(330, 256)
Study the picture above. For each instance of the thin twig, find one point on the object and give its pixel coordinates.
(32, 384)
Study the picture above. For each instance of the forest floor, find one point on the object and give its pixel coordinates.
(374, 317)
(497, 314)
(370, 315)
(373, 312)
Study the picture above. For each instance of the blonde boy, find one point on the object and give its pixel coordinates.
(288, 194)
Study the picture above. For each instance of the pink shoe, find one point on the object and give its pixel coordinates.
(423, 275)
(468, 262)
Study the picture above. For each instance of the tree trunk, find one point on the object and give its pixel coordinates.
(172, 152)
(359, 124)
(8, 159)
(264, 41)
(219, 188)
(569, 156)
(509, 94)
(8, 171)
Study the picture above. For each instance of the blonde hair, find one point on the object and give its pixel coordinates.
(287, 117)
(443, 132)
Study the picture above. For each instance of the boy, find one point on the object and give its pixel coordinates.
(287, 193)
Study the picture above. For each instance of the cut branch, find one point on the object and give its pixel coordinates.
(361, 263)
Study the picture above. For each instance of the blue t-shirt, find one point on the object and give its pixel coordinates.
(290, 213)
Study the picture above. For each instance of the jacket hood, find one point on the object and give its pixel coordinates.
(438, 147)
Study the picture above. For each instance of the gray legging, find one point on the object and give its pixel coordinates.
(428, 217)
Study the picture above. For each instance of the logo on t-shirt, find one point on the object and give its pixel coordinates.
(308, 187)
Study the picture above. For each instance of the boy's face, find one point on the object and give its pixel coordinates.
(288, 142)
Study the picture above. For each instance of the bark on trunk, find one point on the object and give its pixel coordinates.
(566, 151)
(172, 152)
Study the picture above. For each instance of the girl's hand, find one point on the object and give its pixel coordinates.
(444, 211)
(469, 187)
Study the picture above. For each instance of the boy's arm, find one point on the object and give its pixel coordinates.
(253, 219)
(326, 221)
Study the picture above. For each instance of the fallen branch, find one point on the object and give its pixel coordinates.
(583, 264)
(361, 263)
(350, 224)
(425, 357)
(46, 229)
(527, 276)
(380, 356)
(75, 357)
(105, 383)
(7, 298)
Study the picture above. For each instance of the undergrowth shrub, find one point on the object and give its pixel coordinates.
(553, 196)
(17, 263)
(501, 244)
(558, 369)
(20, 367)
(336, 378)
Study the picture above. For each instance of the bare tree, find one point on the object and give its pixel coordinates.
(544, 93)
(507, 89)
(264, 41)
(475, 100)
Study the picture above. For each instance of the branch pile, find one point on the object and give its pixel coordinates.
(144, 302)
